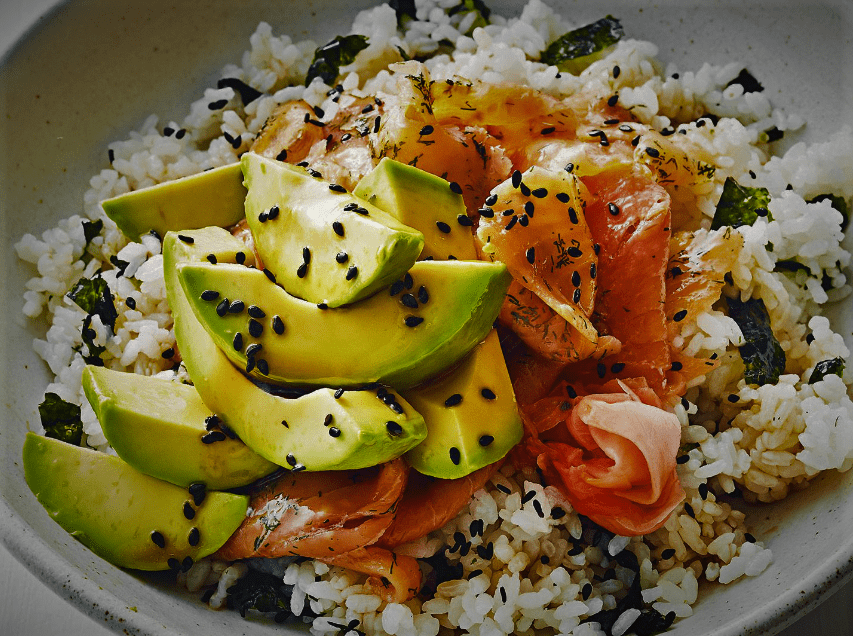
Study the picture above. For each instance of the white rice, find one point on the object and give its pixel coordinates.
(761, 441)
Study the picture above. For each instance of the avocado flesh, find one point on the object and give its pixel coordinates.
(213, 197)
(421, 200)
(112, 509)
(358, 344)
(301, 244)
(481, 428)
(371, 432)
(157, 427)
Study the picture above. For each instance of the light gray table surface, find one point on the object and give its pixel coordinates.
(29, 608)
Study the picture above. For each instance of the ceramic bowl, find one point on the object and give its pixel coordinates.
(89, 71)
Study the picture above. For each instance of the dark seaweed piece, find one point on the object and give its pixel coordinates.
(61, 419)
(263, 593)
(839, 203)
(790, 265)
(120, 265)
(762, 354)
(472, 6)
(403, 9)
(329, 58)
(575, 50)
(247, 93)
(91, 229)
(825, 368)
(93, 296)
(442, 570)
(740, 205)
(748, 81)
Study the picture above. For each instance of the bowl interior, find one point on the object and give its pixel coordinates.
(91, 71)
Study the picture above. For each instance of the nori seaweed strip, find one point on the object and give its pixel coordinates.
(740, 205)
(329, 58)
(61, 419)
(571, 51)
(762, 354)
(825, 368)
(839, 203)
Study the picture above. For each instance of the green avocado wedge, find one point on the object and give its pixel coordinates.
(401, 336)
(159, 427)
(213, 197)
(323, 244)
(471, 415)
(317, 431)
(115, 510)
(425, 202)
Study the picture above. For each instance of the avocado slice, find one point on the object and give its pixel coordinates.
(115, 510)
(471, 416)
(213, 197)
(393, 337)
(323, 244)
(358, 429)
(425, 202)
(159, 427)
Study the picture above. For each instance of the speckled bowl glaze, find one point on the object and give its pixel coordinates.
(88, 72)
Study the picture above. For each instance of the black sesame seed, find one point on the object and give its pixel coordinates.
(198, 490)
(486, 212)
(413, 321)
(306, 255)
(524, 189)
(613, 209)
(338, 227)
(488, 393)
(455, 455)
(282, 156)
(291, 459)
(733, 398)
(298, 468)
(538, 508)
(614, 99)
(601, 369)
(352, 272)
(173, 563)
(596, 248)
(334, 187)
(667, 554)
(576, 296)
(409, 301)
(263, 217)
(189, 240)
(512, 223)
(586, 590)
(131, 303)
(486, 440)
(679, 316)
(277, 325)
(393, 428)
(570, 391)
(557, 513)
(547, 130)
(227, 430)
(397, 287)
(652, 152)
(703, 491)
(455, 188)
(576, 550)
(616, 71)
(408, 281)
(516, 178)
(342, 257)
(236, 307)
(682, 459)
(158, 539)
(576, 278)
(350, 207)
(302, 270)
(222, 307)
(168, 354)
(256, 312)
(211, 422)
(625, 128)
(689, 510)
(636, 140)
(453, 400)
(491, 200)
(544, 559)
(426, 130)
(593, 271)
(253, 349)
(328, 419)
(508, 212)
(240, 257)
(212, 437)
(189, 511)
(219, 103)
(524, 220)
(273, 213)
(617, 367)
(186, 564)
(563, 197)
(573, 216)
(269, 275)
(749, 537)
(255, 328)
(676, 366)
(443, 227)
(761, 211)
(322, 306)
(334, 432)
(194, 536)
(211, 258)
(569, 167)
(464, 220)
(504, 489)
(529, 207)
(423, 295)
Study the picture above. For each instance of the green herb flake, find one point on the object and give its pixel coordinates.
(263, 593)
(740, 205)
(329, 58)
(761, 353)
(839, 203)
(61, 419)
(575, 50)
(477, 7)
(833, 366)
